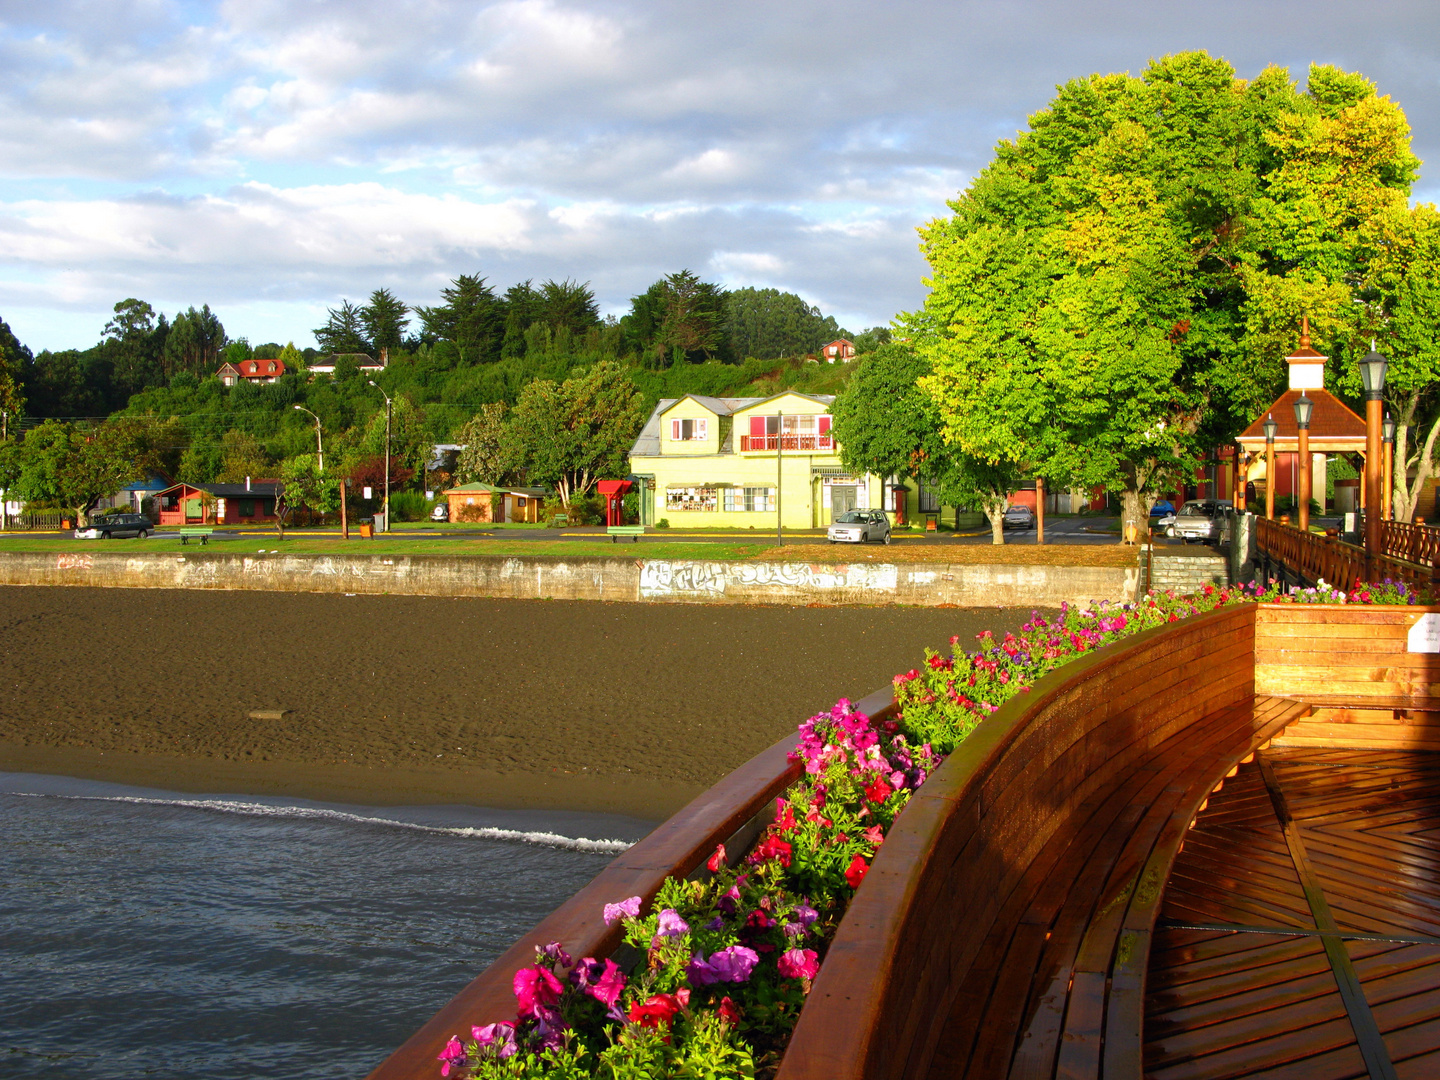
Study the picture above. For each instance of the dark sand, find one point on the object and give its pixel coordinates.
(633, 708)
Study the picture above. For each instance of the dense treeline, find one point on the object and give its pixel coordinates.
(444, 364)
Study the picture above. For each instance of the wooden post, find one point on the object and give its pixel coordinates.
(344, 520)
(1374, 414)
(1269, 481)
(1387, 503)
(1242, 481)
(1039, 510)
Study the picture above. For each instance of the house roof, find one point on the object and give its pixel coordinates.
(260, 368)
(1330, 419)
(647, 443)
(258, 489)
(474, 488)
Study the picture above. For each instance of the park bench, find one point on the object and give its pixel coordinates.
(201, 532)
(632, 531)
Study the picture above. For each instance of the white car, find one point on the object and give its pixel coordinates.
(859, 526)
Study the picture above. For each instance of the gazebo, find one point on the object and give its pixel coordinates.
(1334, 429)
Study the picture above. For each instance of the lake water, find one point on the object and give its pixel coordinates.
(148, 934)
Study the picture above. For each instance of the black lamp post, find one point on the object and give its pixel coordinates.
(1271, 427)
(1303, 408)
(1372, 377)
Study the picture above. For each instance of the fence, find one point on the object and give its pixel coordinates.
(28, 520)
(1286, 552)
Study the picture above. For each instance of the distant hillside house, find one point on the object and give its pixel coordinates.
(838, 351)
(255, 371)
(363, 361)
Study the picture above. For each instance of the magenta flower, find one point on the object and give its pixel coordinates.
(554, 952)
(535, 987)
(602, 980)
(452, 1057)
(626, 909)
(799, 964)
(498, 1039)
(671, 924)
(699, 972)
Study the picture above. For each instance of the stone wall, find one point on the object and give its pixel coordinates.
(646, 580)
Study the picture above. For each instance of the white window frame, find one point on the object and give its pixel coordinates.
(699, 429)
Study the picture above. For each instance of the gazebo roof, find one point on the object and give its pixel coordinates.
(1330, 421)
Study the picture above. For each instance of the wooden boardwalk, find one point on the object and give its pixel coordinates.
(1299, 934)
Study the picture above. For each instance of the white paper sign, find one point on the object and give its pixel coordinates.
(1425, 634)
(367, 493)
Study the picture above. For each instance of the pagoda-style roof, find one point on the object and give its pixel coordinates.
(1333, 426)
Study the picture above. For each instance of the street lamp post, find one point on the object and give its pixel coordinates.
(779, 476)
(1387, 437)
(1372, 377)
(319, 442)
(1303, 408)
(387, 452)
(1271, 427)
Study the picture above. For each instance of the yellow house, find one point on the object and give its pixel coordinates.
(740, 462)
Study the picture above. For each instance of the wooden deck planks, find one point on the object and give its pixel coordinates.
(1367, 823)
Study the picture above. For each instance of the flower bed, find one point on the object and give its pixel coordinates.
(717, 970)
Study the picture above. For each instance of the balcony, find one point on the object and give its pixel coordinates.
(804, 443)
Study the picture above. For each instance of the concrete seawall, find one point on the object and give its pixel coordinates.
(634, 579)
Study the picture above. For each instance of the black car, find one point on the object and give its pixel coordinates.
(116, 525)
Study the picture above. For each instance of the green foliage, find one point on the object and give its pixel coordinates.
(384, 320)
(768, 324)
(488, 457)
(1114, 292)
(74, 467)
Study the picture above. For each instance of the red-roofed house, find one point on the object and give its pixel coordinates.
(256, 371)
(839, 350)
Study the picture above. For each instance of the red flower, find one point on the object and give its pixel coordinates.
(772, 847)
(856, 871)
(784, 816)
(729, 1011)
(659, 1010)
(878, 790)
(717, 860)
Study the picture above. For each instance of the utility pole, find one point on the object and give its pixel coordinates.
(387, 452)
(319, 442)
(779, 476)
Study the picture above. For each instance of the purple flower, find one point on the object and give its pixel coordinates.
(806, 914)
(734, 964)
(699, 972)
(671, 924)
(717, 923)
(550, 1026)
(626, 909)
(554, 952)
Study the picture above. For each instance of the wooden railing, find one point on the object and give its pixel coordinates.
(788, 442)
(731, 813)
(946, 873)
(1309, 556)
(1412, 543)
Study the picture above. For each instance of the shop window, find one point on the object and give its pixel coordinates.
(752, 499)
(929, 499)
(691, 498)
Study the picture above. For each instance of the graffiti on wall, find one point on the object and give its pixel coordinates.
(663, 578)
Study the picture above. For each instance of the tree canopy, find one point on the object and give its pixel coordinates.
(1114, 293)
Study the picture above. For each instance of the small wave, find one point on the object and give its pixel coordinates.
(227, 806)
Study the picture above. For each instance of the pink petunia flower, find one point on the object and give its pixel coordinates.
(799, 964)
(626, 909)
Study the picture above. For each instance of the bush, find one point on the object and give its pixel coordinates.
(663, 523)
(410, 506)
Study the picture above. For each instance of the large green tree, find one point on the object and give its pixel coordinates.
(489, 456)
(471, 317)
(1115, 292)
(384, 318)
(74, 467)
(575, 433)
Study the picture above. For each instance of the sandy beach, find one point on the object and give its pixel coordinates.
(419, 700)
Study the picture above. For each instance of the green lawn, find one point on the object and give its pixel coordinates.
(326, 545)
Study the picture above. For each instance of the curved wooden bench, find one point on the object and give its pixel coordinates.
(732, 812)
(1004, 926)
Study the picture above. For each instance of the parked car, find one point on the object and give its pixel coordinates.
(859, 526)
(1019, 517)
(117, 525)
(1200, 521)
(1162, 508)
(440, 513)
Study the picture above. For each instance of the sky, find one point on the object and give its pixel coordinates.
(270, 158)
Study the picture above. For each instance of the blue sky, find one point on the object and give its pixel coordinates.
(271, 158)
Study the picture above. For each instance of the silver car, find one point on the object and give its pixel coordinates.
(1019, 516)
(859, 526)
(1203, 521)
(104, 528)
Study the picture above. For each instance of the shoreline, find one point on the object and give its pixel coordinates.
(640, 797)
(637, 797)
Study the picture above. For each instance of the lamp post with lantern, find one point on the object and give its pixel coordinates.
(1372, 377)
(1271, 427)
(319, 439)
(1387, 438)
(1303, 408)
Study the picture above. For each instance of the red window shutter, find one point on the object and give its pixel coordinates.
(757, 426)
(675, 430)
(824, 424)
